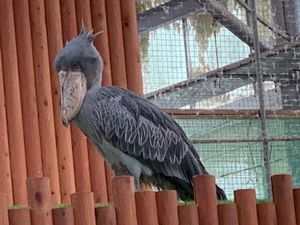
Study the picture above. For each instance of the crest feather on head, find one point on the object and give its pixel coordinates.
(88, 34)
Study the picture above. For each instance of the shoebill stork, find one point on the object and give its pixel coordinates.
(133, 135)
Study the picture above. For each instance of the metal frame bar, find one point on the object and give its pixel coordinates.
(178, 9)
(230, 114)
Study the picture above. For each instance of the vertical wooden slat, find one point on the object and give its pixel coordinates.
(116, 47)
(79, 141)
(28, 91)
(3, 209)
(266, 214)
(63, 134)
(296, 195)
(13, 102)
(99, 24)
(96, 163)
(131, 46)
(68, 19)
(39, 200)
(123, 200)
(83, 14)
(206, 199)
(106, 216)
(63, 216)
(44, 96)
(84, 208)
(146, 209)
(97, 174)
(228, 214)
(5, 175)
(283, 199)
(188, 215)
(109, 176)
(245, 201)
(19, 216)
(166, 202)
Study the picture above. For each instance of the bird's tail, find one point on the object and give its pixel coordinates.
(220, 193)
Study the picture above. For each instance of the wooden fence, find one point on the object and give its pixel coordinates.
(156, 208)
(33, 142)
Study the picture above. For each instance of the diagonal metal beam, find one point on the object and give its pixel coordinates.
(178, 9)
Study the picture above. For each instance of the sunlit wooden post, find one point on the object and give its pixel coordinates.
(166, 202)
(44, 95)
(79, 141)
(131, 46)
(228, 214)
(63, 216)
(13, 102)
(246, 206)
(123, 200)
(146, 208)
(283, 199)
(116, 46)
(3, 209)
(5, 175)
(39, 200)
(28, 90)
(19, 216)
(63, 134)
(206, 199)
(84, 208)
(98, 12)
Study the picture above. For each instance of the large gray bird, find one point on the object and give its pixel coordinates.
(134, 136)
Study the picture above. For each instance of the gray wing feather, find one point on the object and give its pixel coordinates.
(142, 130)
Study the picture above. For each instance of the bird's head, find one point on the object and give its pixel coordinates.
(79, 67)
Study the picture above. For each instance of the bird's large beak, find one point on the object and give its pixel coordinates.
(73, 90)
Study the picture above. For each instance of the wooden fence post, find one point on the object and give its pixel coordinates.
(283, 199)
(63, 134)
(84, 208)
(19, 216)
(116, 46)
(131, 46)
(13, 102)
(123, 200)
(28, 90)
(5, 175)
(296, 194)
(44, 95)
(100, 25)
(246, 206)
(167, 211)
(63, 216)
(266, 213)
(206, 199)
(146, 208)
(228, 214)
(3, 209)
(188, 215)
(106, 216)
(39, 200)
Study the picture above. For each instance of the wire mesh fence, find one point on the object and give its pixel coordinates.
(204, 59)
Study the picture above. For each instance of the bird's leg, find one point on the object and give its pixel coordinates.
(137, 183)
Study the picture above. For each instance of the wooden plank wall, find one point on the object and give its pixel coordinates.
(33, 141)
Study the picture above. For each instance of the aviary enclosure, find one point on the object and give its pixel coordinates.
(228, 71)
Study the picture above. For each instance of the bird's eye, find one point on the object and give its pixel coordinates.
(75, 66)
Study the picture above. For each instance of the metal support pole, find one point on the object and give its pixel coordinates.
(262, 111)
(186, 47)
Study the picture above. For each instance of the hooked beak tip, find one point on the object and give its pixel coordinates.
(65, 123)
